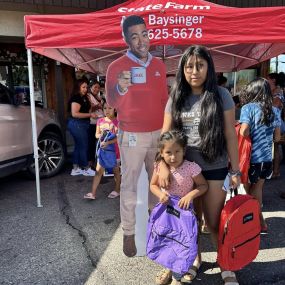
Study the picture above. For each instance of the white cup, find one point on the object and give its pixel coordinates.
(138, 74)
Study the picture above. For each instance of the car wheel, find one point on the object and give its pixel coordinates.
(51, 156)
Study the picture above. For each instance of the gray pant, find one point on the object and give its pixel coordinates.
(132, 159)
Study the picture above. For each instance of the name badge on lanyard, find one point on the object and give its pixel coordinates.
(132, 139)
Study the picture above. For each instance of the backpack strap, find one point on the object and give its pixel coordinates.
(234, 192)
(99, 142)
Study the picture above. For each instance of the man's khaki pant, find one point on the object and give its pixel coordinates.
(132, 159)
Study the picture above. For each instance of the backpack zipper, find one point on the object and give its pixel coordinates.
(241, 244)
(165, 236)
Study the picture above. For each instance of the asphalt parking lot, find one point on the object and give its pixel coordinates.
(73, 241)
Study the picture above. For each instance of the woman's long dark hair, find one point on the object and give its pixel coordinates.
(211, 127)
(258, 91)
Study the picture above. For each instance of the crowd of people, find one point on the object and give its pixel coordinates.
(186, 140)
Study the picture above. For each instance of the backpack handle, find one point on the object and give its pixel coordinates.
(234, 192)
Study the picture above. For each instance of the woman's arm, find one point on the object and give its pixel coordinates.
(277, 134)
(164, 173)
(232, 144)
(154, 188)
(167, 123)
(244, 130)
(75, 108)
(201, 188)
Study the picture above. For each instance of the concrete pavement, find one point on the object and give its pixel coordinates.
(74, 241)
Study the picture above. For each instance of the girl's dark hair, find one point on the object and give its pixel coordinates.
(174, 135)
(211, 127)
(104, 103)
(258, 91)
(76, 86)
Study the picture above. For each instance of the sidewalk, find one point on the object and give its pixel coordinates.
(74, 241)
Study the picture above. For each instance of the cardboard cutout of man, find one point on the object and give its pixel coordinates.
(136, 86)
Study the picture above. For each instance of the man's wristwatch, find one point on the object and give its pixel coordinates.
(235, 173)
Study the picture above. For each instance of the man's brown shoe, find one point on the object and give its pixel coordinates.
(129, 246)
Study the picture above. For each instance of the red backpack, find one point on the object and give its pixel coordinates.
(239, 232)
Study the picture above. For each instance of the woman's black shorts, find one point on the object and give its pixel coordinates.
(215, 174)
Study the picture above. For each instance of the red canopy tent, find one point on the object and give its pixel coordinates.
(237, 37)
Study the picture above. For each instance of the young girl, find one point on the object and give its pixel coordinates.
(261, 122)
(109, 122)
(184, 174)
(206, 113)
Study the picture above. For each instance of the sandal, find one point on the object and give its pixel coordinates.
(175, 282)
(163, 276)
(264, 229)
(229, 274)
(113, 195)
(205, 230)
(192, 273)
(89, 196)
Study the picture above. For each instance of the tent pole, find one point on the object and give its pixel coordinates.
(235, 82)
(34, 125)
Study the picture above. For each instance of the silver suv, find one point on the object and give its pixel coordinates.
(16, 148)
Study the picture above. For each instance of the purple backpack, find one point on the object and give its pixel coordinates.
(172, 236)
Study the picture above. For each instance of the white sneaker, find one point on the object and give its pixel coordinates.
(88, 172)
(76, 171)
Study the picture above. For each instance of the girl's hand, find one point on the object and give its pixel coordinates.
(164, 197)
(184, 202)
(103, 144)
(235, 181)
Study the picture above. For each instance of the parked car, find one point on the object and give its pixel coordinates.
(16, 147)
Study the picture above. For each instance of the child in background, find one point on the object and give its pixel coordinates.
(184, 174)
(110, 123)
(261, 121)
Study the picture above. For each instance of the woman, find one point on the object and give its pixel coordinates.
(260, 120)
(278, 98)
(206, 113)
(78, 125)
(96, 107)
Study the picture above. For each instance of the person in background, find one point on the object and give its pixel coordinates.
(108, 123)
(222, 81)
(237, 106)
(96, 108)
(205, 112)
(78, 125)
(140, 114)
(184, 175)
(261, 121)
(278, 99)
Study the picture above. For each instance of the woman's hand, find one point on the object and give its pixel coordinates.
(164, 175)
(235, 181)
